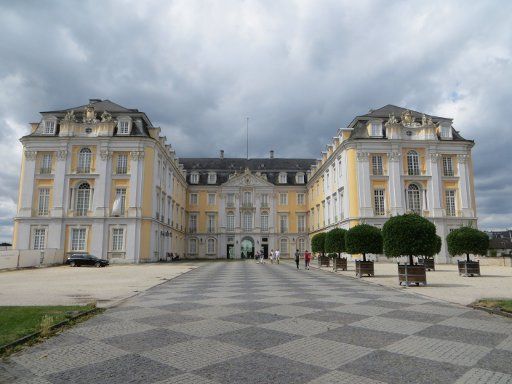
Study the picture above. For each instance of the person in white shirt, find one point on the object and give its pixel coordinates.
(277, 254)
(272, 256)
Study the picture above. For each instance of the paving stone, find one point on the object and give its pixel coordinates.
(361, 336)
(405, 327)
(339, 300)
(497, 360)
(479, 325)
(181, 307)
(187, 378)
(209, 327)
(212, 312)
(129, 368)
(463, 335)
(361, 309)
(169, 319)
(506, 344)
(334, 317)
(440, 350)
(405, 314)
(256, 338)
(483, 376)
(250, 305)
(61, 340)
(300, 326)
(337, 377)
(438, 309)
(258, 368)
(253, 317)
(280, 300)
(138, 313)
(145, 341)
(288, 310)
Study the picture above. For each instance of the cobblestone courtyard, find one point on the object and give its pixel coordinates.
(241, 322)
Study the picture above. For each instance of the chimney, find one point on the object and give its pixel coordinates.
(271, 153)
(221, 154)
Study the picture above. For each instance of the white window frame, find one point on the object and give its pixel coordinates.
(122, 164)
(49, 127)
(282, 177)
(210, 246)
(247, 221)
(283, 198)
(264, 221)
(43, 206)
(192, 246)
(194, 178)
(230, 222)
(377, 168)
(450, 196)
(194, 199)
(413, 163)
(121, 194)
(117, 239)
(211, 223)
(211, 198)
(230, 199)
(283, 223)
(301, 198)
(192, 223)
(375, 129)
(84, 160)
(247, 198)
(83, 199)
(283, 245)
(46, 164)
(39, 238)
(379, 201)
(414, 198)
(299, 178)
(301, 223)
(212, 178)
(448, 166)
(80, 244)
(301, 244)
(123, 127)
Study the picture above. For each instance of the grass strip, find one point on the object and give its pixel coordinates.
(499, 304)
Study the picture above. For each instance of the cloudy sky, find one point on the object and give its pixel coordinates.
(298, 69)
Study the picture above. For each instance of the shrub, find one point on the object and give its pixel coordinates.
(335, 241)
(363, 238)
(318, 243)
(409, 235)
(467, 241)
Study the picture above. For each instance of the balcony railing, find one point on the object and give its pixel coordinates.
(264, 204)
(121, 170)
(448, 173)
(45, 171)
(83, 170)
(247, 204)
(230, 204)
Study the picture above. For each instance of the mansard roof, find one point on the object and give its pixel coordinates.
(224, 167)
(99, 106)
(359, 122)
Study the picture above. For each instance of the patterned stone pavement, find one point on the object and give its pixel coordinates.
(240, 322)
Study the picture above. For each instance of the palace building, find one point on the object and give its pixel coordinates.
(100, 178)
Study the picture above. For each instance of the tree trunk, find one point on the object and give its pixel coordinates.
(411, 260)
(364, 256)
(467, 257)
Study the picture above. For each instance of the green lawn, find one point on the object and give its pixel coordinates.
(16, 322)
(504, 305)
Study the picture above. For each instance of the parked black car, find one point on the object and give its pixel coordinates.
(79, 259)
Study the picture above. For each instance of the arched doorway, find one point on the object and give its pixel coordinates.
(247, 248)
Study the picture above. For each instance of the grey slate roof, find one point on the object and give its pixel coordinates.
(226, 166)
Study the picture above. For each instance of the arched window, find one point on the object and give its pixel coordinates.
(84, 160)
(413, 163)
(413, 198)
(210, 246)
(301, 244)
(192, 246)
(83, 196)
(283, 246)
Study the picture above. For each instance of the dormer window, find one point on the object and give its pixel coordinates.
(299, 178)
(212, 178)
(375, 129)
(282, 178)
(446, 132)
(194, 178)
(49, 127)
(123, 127)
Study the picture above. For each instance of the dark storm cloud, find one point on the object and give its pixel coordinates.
(299, 70)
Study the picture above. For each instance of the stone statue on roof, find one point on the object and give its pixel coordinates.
(106, 117)
(70, 116)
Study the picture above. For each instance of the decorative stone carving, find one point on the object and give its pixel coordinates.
(434, 157)
(30, 155)
(462, 158)
(89, 115)
(362, 156)
(106, 117)
(408, 120)
(70, 117)
(392, 119)
(137, 155)
(105, 154)
(394, 156)
(62, 154)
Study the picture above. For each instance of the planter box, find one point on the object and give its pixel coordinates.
(412, 275)
(469, 268)
(324, 261)
(428, 262)
(364, 268)
(341, 263)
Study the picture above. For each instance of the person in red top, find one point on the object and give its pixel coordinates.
(307, 259)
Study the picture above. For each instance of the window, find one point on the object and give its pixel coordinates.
(194, 178)
(230, 222)
(46, 164)
(328, 212)
(247, 221)
(124, 127)
(264, 222)
(120, 202)
(84, 160)
(376, 129)
(192, 246)
(378, 201)
(210, 246)
(283, 223)
(211, 199)
(264, 200)
(301, 244)
(299, 178)
(413, 163)
(283, 246)
(230, 200)
(283, 198)
(301, 199)
(122, 164)
(212, 178)
(192, 223)
(83, 195)
(49, 127)
(282, 178)
(247, 201)
(377, 165)
(44, 202)
(447, 166)
(413, 198)
(117, 239)
(78, 239)
(301, 223)
(39, 238)
(211, 223)
(193, 199)
(446, 132)
(450, 202)
(327, 180)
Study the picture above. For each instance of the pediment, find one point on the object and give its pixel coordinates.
(247, 179)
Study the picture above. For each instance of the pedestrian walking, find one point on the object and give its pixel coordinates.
(257, 257)
(277, 254)
(307, 259)
(297, 258)
(272, 255)
(262, 257)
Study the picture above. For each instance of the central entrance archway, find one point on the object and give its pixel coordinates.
(247, 248)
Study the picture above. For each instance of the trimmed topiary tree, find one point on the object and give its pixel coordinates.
(363, 238)
(467, 241)
(409, 235)
(335, 241)
(318, 243)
